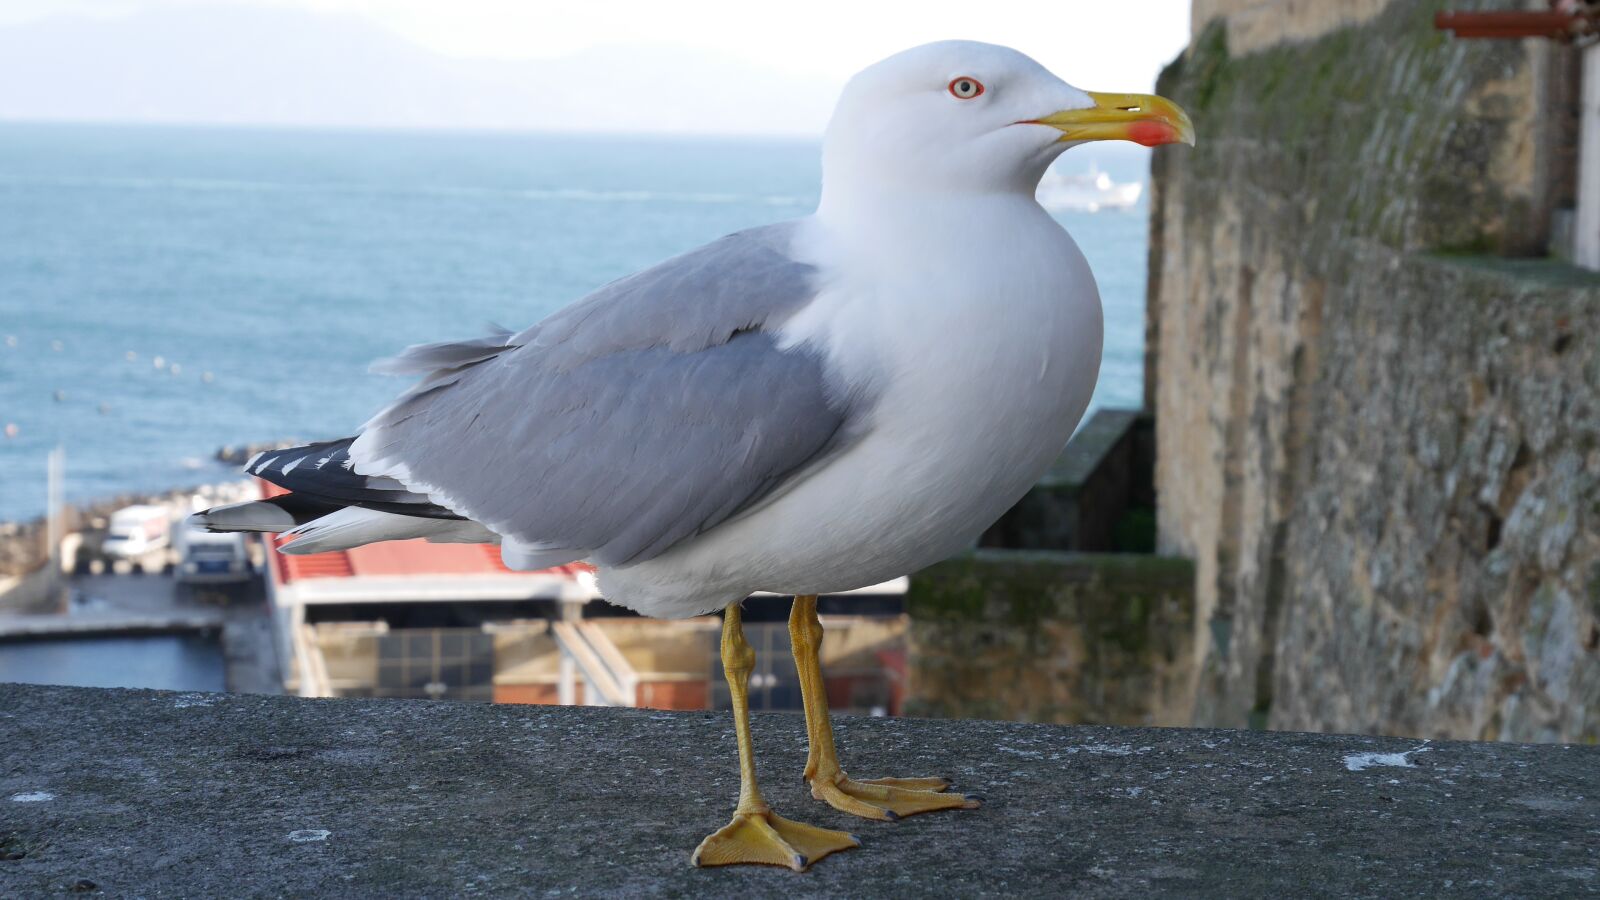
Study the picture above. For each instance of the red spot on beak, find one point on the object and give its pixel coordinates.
(1152, 134)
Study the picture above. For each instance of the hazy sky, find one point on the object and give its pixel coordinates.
(1096, 44)
(1126, 42)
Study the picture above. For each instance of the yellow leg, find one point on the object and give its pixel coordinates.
(757, 834)
(877, 798)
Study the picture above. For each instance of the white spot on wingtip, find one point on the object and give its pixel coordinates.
(307, 835)
(1356, 762)
(33, 797)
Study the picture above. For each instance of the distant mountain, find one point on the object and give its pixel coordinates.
(226, 63)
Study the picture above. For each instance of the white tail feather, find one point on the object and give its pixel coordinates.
(251, 515)
(353, 526)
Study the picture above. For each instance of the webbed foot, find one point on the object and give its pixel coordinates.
(766, 838)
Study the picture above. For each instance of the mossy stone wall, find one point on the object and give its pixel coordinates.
(1380, 446)
(1046, 636)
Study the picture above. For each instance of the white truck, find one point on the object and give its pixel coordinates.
(136, 531)
(206, 558)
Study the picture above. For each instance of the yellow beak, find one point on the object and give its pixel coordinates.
(1142, 118)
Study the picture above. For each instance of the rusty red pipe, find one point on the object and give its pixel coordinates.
(1556, 25)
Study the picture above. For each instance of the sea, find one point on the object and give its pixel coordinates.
(165, 662)
(168, 290)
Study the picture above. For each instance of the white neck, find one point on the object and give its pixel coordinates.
(923, 217)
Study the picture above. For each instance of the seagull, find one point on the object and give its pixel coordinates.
(802, 408)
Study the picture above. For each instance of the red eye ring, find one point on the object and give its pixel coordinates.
(965, 87)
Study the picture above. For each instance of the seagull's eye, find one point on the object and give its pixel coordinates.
(965, 87)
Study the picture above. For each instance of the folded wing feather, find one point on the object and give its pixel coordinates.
(650, 411)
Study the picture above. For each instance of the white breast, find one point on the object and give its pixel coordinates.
(982, 345)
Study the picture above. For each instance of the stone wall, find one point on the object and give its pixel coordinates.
(1257, 24)
(1379, 450)
(1443, 561)
(1044, 636)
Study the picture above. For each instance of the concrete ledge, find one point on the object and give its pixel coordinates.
(149, 793)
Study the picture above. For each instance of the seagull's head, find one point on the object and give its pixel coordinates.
(966, 116)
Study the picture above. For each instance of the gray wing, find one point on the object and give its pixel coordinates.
(646, 413)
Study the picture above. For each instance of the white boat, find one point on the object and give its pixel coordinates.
(1092, 191)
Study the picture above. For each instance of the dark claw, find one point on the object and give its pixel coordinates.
(890, 815)
(800, 862)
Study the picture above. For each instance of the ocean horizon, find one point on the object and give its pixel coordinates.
(166, 290)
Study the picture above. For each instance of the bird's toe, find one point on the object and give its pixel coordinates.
(889, 799)
(911, 784)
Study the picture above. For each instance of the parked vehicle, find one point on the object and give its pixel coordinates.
(205, 558)
(136, 531)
